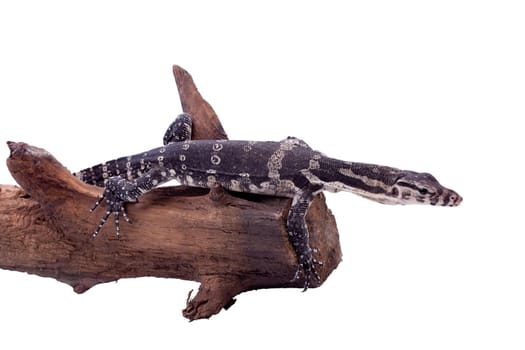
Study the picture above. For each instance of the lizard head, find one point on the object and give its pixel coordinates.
(422, 188)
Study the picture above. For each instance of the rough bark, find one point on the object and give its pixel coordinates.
(229, 243)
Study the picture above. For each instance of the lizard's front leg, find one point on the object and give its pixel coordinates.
(118, 191)
(299, 236)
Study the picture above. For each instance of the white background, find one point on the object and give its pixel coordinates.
(426, 86)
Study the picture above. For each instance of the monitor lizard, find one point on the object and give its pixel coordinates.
(289, 168)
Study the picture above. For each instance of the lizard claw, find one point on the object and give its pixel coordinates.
(101, 223)
(114, 208)
(97, 203)
(307, 268)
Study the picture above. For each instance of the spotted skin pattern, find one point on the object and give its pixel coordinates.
(289, 168)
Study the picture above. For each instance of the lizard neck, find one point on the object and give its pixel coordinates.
(375, 182)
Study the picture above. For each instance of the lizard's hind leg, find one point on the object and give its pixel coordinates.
(118, 191)
(179, 130)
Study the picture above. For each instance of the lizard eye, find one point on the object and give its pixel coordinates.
(423, 191)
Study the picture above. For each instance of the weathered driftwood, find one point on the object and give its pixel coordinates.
(229, 243)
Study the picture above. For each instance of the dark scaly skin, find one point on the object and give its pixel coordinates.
(289, 168)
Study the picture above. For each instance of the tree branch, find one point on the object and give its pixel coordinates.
(229, 243)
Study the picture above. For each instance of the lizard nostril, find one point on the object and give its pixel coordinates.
(455, 200)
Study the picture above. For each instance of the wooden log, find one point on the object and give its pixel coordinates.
(228, 242)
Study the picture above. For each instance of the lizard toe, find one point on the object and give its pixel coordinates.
(307, 268)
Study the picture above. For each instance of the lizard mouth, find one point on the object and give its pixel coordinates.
(452, 199)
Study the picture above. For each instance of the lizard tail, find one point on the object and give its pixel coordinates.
(99, 174)
(95, 175)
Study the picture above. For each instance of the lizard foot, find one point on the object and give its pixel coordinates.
(115, 205)
(307, 267)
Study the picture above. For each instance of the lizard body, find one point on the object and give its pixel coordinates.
(289, 168)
